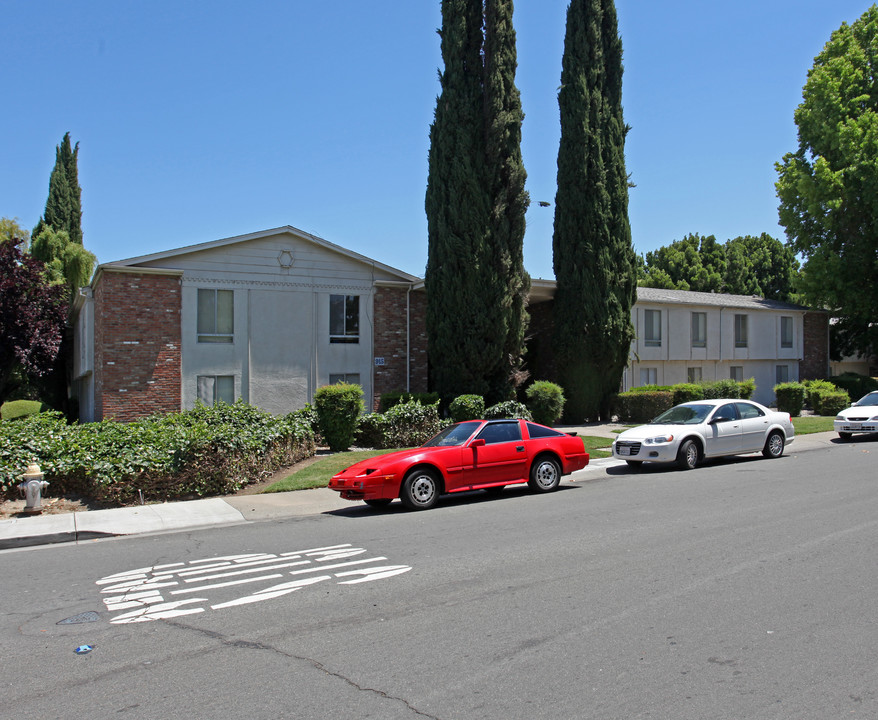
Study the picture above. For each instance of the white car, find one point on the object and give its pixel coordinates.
(688, 433)
(861, 417)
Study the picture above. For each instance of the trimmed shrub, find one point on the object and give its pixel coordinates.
(687, 392)
(410, 424)
(643, 406)
(21, 408)
(370, 431)
(721, 389)
(856, 385)
(196, 453)
(830, 402)
(790, 397)
(545, 400)
(507, 409)
(395, 397)
(813, 388)
(746, 388)
(467, 407)
(338, 408)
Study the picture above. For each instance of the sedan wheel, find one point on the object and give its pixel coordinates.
(545, 475)
(687, 455)
(845, 436)
(773, 446)
(420, 490)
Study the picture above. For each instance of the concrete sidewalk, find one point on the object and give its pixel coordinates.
(21, 531)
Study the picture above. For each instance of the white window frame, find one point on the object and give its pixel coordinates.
(344, 318)
(211, 389)
(740, 331)
(699, 329)
(648, 376)
(736, 373)
(786, 331)
(349, 378)
(781, 374)
(652, 328)
(212, 324)
(694, 374)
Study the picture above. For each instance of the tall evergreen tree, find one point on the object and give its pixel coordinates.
(64, 205)
(475, 204)
(593, 258)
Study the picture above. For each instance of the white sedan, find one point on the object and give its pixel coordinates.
(861, 417)
(688, 433)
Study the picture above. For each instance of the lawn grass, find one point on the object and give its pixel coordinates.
(807, 424)
(317, 474)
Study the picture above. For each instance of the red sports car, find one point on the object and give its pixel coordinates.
(471, 455)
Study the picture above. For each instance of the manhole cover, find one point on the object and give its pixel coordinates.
(85, 617)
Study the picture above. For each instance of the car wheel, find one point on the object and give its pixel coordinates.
(773, 445)
(634, 464)
(687, 455)
(545, 474)
(845, 436)
(378, 502)
(420, 490)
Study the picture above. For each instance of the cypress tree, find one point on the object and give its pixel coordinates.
(593, 259)
(475, 279)
(509, 200)
(64, 204)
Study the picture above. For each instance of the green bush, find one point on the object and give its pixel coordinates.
(812, 390)
(395, 397)
(830, 402)
(411, 424)
(467, 407)
(718, 389)
(201, 452)
(687, 392)
(21, 408)
(790, 397)
(545, 400)
(508, 409)
(338, 408)
(370, 430)
(639, 407)
(746, 388)
(856, 385)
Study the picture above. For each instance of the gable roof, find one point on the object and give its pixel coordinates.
(285, 229)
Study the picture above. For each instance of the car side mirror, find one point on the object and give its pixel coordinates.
(478, 442)
(719, 419)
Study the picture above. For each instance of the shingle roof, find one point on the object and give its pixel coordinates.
(687, 297)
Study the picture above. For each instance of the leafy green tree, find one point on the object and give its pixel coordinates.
(9, 229)
(761, 266)
(593, 258)
(694, 263)
(828, 187)
(475, 204)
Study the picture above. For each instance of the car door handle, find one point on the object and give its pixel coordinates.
(519, 448)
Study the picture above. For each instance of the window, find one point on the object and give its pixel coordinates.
(693, 374)
(786, 332)
(344, 318)
(649, 376)
(740, 331)
(782, 374)
(652, 332)
(699, 329)
(216, 388)
(500, 433)
(350, 378)
(216, 316)
(736, 373)
(748, 411)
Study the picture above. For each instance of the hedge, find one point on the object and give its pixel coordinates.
(196, 453)
(338, 408)
(397, 397)
(790, 397)
(545, 400)
(640, 407)
(508, 409)
(467, 407)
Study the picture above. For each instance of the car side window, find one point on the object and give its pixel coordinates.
(726, 413)
(500, 432)
(748, 411)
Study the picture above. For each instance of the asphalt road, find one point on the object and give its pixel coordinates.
(744, 589)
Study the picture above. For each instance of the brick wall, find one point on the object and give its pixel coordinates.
(815, 360)
(137, 345)
(390, 340)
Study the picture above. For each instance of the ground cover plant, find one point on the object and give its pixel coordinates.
(195, 453)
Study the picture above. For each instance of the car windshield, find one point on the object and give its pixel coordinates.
(683, 415)
(870, 399)
(453, 435)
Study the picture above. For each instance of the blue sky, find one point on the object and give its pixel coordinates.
(201, 120)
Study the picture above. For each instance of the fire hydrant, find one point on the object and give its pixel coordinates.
(32, 489)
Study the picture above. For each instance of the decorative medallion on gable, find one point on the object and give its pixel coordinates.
(285, 259)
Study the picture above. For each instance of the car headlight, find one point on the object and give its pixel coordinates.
(660, 439)
(840, 418)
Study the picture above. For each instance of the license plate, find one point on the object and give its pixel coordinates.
(853, 426)
(623, 450)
